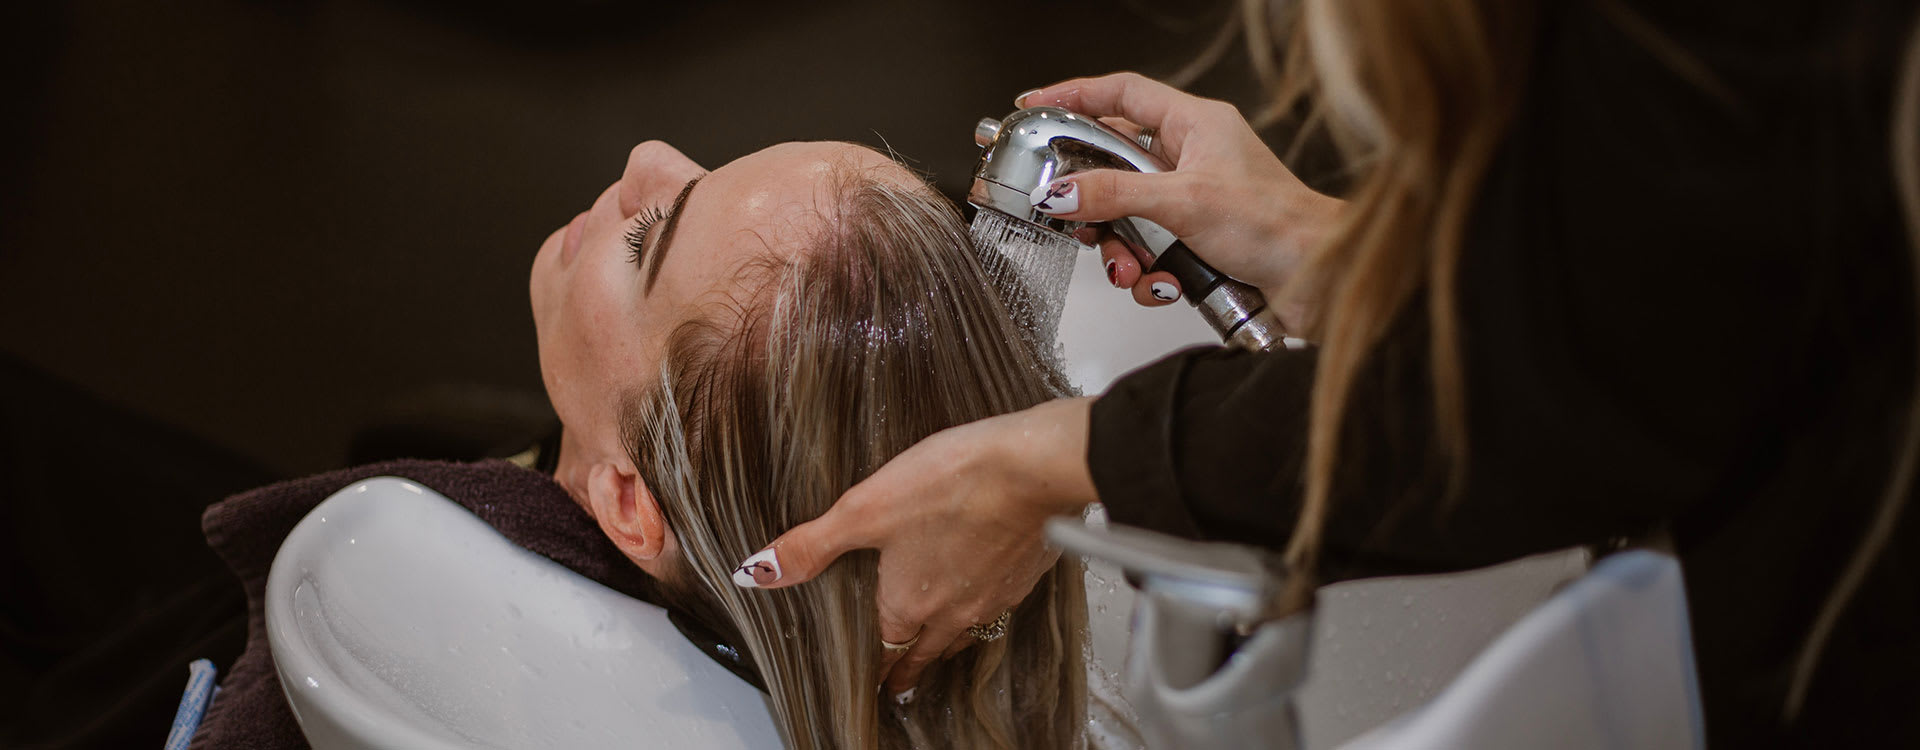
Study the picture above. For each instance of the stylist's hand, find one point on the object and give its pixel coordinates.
(1228, 197)
(958, 521)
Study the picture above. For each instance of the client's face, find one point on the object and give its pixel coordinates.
(665, 239)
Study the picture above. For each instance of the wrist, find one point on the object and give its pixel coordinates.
(1309, 222)
(1045, 453)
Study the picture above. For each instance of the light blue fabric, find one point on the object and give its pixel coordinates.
(193, 704)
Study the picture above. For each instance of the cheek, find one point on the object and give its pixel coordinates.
(542, 277)
(592, 343)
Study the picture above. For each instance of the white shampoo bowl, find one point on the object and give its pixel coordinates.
(400, 620)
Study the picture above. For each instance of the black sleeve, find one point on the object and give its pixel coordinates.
(1639, 313)
(1202, 444)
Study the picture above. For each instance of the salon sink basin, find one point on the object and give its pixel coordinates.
(399, 619)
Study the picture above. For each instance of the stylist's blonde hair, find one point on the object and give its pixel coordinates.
(770, 407)
(1419, 94)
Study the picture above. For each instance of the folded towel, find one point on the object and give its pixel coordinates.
(246, 530)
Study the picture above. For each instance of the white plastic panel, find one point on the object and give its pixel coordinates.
(398, 619)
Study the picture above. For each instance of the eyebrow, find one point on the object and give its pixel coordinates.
(667, 225)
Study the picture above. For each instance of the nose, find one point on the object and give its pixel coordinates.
(653, 168)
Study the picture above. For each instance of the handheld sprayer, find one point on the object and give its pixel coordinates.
(1037, 145)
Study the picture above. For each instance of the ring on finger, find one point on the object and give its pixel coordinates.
(1145, 138)
(991, 631)
(900, 647)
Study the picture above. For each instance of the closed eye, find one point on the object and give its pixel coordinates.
(637, 234)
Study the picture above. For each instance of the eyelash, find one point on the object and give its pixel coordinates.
(637, 235)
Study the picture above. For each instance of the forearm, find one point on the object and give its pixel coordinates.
(1210, 444)
(1045, 447)
(1205, 444)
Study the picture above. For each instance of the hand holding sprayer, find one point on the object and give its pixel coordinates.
(1032, 147)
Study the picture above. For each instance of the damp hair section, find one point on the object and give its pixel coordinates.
(816, 372)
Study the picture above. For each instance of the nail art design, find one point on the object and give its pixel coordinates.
(1057, 197)
(1164, 291)
(1113, 273)
(762, 569)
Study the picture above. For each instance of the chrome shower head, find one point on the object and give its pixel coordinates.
(1035, 146)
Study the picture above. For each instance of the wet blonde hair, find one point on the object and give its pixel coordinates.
(770, 406)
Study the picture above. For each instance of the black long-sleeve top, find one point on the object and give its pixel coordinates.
(1686, 306)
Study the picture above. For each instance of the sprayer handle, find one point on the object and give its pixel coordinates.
(1236, 310)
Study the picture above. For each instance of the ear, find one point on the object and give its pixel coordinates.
(628, 514)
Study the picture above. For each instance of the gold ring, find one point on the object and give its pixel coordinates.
(900, 647)
(991, 631)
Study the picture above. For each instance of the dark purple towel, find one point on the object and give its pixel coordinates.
(246, 530)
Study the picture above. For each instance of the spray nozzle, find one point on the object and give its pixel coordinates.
(1035, 146)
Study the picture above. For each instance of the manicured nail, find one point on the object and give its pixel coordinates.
(763, 569)
(1021, 100)
(1055, 198)
(904, 697)
(1113, 273)
(1164, 291)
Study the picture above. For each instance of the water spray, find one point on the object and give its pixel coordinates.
(1037, 145)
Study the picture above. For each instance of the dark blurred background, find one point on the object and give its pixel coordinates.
(243, 240)
(273, 223)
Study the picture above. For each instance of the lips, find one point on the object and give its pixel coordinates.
(570, 243)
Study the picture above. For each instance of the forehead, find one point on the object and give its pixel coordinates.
(774, 200)
(769, 205)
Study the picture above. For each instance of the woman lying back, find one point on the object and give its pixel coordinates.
(729, 352)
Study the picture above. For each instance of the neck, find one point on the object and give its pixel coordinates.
(571, 468)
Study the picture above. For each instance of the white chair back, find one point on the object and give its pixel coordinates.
(1606, 663)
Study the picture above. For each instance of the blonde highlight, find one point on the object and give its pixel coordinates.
(769, 407)
(1422, 123)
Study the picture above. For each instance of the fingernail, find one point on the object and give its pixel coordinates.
(1164, 291)
(1021, 100)
(1055, 198)
(1113, 273)
(904, 697)
(763, 569)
